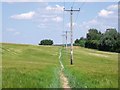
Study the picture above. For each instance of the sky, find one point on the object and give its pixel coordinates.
(31, 22)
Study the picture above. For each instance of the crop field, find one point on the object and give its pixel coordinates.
(29, 66)
(91, 68)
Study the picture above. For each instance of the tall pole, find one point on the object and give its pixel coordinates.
(66, 32)
(71, 28)
(63, 39)
(71, 33)
(66, 35)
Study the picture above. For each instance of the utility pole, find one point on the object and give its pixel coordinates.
(71, 28)
(63, 39)
(66, 35)
(66, 39)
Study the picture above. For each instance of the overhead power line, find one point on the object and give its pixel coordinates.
(73, 3)
(78, 12)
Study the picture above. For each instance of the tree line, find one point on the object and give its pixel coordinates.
(107, 41)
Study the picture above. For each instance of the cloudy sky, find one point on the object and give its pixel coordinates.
(30, 22)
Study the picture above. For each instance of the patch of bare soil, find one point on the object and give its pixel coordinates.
(64, 81)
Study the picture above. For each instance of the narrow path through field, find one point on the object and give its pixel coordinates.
(64, 80)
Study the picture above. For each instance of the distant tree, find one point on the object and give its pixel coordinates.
(92, 44)
(93, 37)
(93, 34)
(46, 42)
(117, 47)
(80, 42)
(109, 40)
(77, 41)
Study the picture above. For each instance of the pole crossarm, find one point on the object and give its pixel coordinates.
(72, 9)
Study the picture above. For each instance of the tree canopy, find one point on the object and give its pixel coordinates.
(80, 42)
(46, 42)
(93, 34)
(108, 41)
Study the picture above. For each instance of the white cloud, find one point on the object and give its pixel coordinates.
(48, 16)
(57, 19)
(106, 18)
(110, 12)
(89, 24)
(56, 8)
(112, 7)
(43, 15)
(23, 16)
(99, 24)
(105, 13)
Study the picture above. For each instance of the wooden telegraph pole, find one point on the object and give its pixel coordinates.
(71, 28)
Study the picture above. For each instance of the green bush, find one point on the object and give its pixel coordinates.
(46, 42)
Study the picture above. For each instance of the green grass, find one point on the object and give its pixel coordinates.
(91, 68)
(27, 66)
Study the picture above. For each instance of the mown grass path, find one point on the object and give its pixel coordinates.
(64, 80)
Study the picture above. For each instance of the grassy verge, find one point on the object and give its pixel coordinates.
(27, 66)
(91, 68)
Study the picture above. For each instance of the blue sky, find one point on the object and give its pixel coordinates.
(30, 22)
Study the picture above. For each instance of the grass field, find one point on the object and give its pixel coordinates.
(91, 68)
(29, 66)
